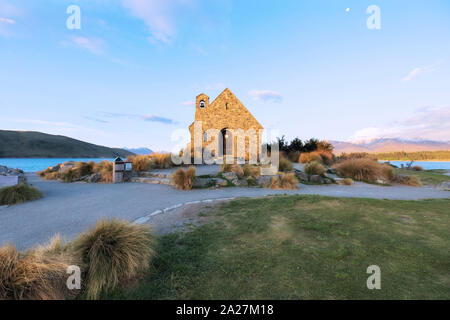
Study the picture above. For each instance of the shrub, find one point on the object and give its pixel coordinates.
(388, 171)
(347, 182)
(105, 168)
(357, 155)
(18, 194)
(307, 157)
(33, 275)
(285, 165)
(113, 251)
(417, 168)
(413, 181)
(184, 180)
(293, 156)
(326, 156)
(314, 168)
(252, 171)
(286, 181)
(140, 163)
(364, 169)
(160, 160)
(225, 167)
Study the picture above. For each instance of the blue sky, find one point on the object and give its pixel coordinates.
(129, 76)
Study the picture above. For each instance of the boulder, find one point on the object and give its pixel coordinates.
(204, 182)
(241, 183)
(320, 179)
(444, 185)
(331, 171)
(230, 176)
(301, 176)
(94, 178)
(221, 182)
(66, 166)
(264, 181)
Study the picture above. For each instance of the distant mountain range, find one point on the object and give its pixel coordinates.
(31, 144)
(143, 151)
(389, 145)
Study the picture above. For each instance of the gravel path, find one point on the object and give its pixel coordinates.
(70, 208)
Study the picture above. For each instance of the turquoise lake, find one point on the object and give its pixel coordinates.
(38, 164)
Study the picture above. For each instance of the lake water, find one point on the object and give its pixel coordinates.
(38, 164)
(427, 165)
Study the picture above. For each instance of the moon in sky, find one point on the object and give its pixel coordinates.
(347, 10)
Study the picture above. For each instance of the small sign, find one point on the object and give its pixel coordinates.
(128, 166)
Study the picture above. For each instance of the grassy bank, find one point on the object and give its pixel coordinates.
(416, 156)
(305, 247)
(433, 177)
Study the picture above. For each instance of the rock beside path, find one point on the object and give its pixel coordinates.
(11, 177)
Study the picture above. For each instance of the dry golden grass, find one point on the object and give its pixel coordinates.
(285, 165)
(160, 160)
(364, 169)
(417, 168)
(113, 252)
(413, 181)
(314, 168)
(105, 168)
(18, 194)
(33, 275)
(81, 169)
(184, 180)
(139, 163)
(286, 181)
(237, 168)
(252, 171)
(307, 157)
(347, 182)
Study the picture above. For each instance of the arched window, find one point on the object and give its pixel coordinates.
(202, 104)
(226, 105)
(205, 137)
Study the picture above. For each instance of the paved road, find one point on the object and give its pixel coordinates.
(70, 208)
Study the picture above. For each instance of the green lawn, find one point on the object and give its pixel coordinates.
(433, 177)
(305, 247)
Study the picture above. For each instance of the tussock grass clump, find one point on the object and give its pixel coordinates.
(236, 168)
(160, 160)
(307, 157)
(105, 168)
(19, 194)
(33, 275)
(139, 163)
(417, 168)
(286, 181)
(113, 251)
(347, 182)
(364, 169)
(184, 180)
(314, 168)
(252, 171)
(80, 170)
(285, 165)
(413, 181)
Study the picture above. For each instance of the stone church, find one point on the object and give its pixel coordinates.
(226, 118)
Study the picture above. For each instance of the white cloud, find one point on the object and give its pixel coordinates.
(157, 15)
(94, 45)
(428, 123)
(265, 95)
(7, 20)
(188, 103)
(7, 14)
(418, 71)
